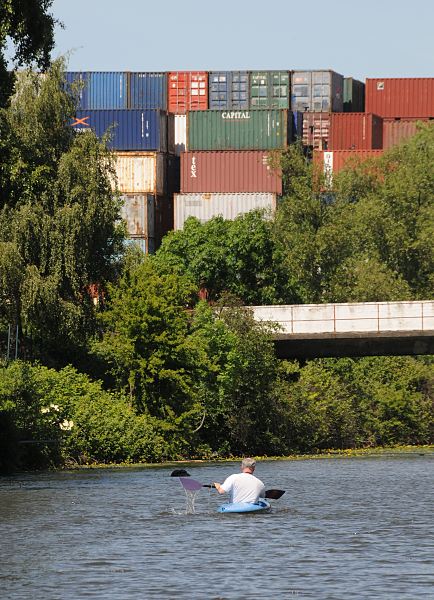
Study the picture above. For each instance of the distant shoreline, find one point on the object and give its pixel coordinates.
(424, 450)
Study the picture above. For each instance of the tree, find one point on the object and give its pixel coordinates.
(58, 219)
(30, 28)
(237, 256)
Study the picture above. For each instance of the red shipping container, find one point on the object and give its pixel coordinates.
(187, 90)
(316, 129)
(396, 131)
(411, 97)
(229, 171)
(355, 131)
(334, 161)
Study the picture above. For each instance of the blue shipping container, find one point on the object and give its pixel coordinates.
(229, 89)
(132, 129)
(107, 90)
(81, 79)
(147, 90)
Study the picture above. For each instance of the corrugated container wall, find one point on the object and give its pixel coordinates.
(206, 206)
(270, 89)
(396, 131)
(138, 211)
(245, 171)
(187, 90)
(106, 90)
(412, 97)
(132, 129)
(180, 130)
(335, 161)
(318, 91)
(355, 131)
(163, 217)
(354, 95)
(228, 90)
(316, 130)
(77, 83)
(238, 130)
(147, 90)
(141, 172)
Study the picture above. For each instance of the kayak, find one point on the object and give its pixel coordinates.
(244, 507)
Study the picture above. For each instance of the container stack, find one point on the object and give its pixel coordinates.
(315, 96)
(393, 109)
(132, 108)
(198, 143)
(227, 168)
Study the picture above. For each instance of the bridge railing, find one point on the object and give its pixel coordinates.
(372, 318)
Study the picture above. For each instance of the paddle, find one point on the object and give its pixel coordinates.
(179, 473)
(192, 485)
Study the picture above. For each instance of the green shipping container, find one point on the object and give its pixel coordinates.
(238, 129)
(269, 89)
(354, 95)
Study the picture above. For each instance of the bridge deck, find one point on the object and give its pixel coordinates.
(351, 329)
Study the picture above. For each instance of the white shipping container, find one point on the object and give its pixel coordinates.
(140, 172)
(180, 125)
(206, 206)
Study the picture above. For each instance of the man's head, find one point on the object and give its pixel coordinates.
(248, 465)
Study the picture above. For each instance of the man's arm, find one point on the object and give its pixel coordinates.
(219, 488)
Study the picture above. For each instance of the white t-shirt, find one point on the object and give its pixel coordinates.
(244, 487)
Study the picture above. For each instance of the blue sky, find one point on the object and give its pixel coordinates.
(361, 39)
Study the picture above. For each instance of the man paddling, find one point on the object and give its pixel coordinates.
(244, 486)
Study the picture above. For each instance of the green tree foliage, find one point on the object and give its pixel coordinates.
(29, 27)
(237, 257)
(238, 379)
(371, 239)
(146, 341)
(58, 217)
(48, 417)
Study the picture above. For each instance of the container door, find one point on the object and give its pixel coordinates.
(301, 99)
(259, 90)
(218, 90)
(279, 89)
(239, 90)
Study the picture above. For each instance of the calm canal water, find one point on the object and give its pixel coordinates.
(346, 528)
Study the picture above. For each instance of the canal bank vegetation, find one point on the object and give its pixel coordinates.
(150, 372)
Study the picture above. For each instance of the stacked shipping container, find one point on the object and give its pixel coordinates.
(226, 125)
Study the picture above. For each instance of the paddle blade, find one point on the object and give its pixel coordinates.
(190, 484)
(179, 473)
(274, 494)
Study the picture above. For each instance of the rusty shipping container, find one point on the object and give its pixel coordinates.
(147, 173)
(400, 97)
(355, 131)
(187, 90)
(354, 95)
(317, 91)
(140, 172)
(396, 131)
(229, 171)
(316, 130)
(138, 211)
(148, 218)
(206, 206)
(238, 130)
(331, 162)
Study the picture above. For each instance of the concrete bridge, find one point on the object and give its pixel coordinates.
(353, 329)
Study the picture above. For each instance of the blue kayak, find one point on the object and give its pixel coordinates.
(244, 507)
